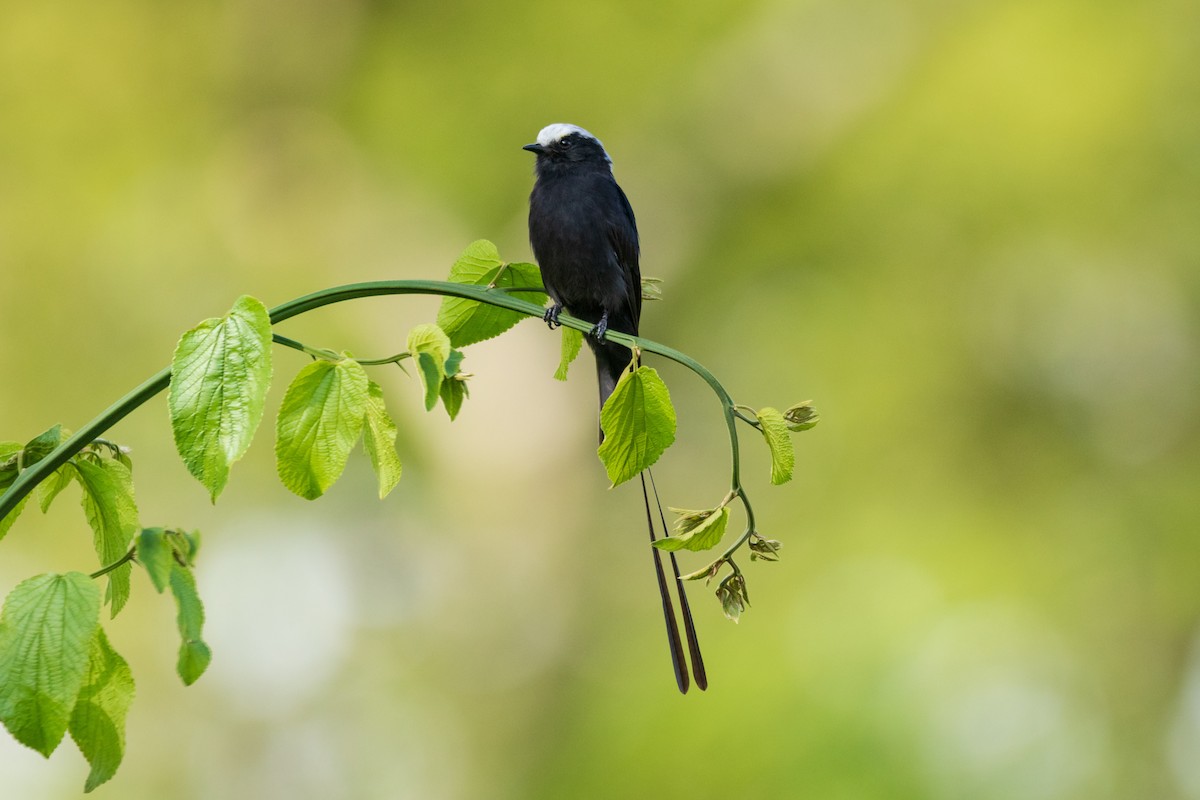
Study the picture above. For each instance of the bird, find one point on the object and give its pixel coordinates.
(585, 240)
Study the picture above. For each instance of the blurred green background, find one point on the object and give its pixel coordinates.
(967, 230)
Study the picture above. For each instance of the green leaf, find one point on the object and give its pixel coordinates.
(429, 338)
(194, 654)
(42, 445)
(453, 392)
(704, 534)
(469, 321)
(194, 658)
(572, 343)
(379, 440)
(45, 629)
(10, 455)
(707, 573)
(50, 488)
(431, 378)
(453, 363)
(113, 516)
(11, 517)
(9, 463)
(638, 423)
(219, 380)
(430, 348)
(98, 720)
(319, 424)
(157, 555)
(775, 431)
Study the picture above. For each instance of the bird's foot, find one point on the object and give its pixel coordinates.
(600, 329)
(551, 315)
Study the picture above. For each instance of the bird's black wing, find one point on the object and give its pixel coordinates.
(623, 236)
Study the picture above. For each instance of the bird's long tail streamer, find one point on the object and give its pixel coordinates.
(676, 645)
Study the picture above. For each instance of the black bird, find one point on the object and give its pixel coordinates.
(585, 240)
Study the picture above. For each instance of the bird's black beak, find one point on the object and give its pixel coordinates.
(534, 148)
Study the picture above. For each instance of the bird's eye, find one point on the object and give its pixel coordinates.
(565, 142)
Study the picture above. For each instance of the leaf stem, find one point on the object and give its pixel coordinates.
(379, 362)
(313, 352)
(125, 559)
(749, 420)
(320, 352)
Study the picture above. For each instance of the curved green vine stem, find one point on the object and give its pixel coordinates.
(34, 475)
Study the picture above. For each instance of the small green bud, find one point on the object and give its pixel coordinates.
(764, 549)
(10, 467)
(184, 545)
(688, 520)
(733, 596)
(801, 417)
(708, 573)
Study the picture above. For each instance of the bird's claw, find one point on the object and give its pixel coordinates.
(551, 316)
(600, 329)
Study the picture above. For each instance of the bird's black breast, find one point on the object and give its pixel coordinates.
(584, 236)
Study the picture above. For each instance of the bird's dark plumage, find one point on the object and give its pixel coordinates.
(585, 240)
(584, 237)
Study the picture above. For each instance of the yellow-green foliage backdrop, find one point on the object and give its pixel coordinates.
(968, 230)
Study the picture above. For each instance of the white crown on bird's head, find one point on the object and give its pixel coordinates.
(558, 130)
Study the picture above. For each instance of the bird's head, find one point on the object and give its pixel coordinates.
(564, 144)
